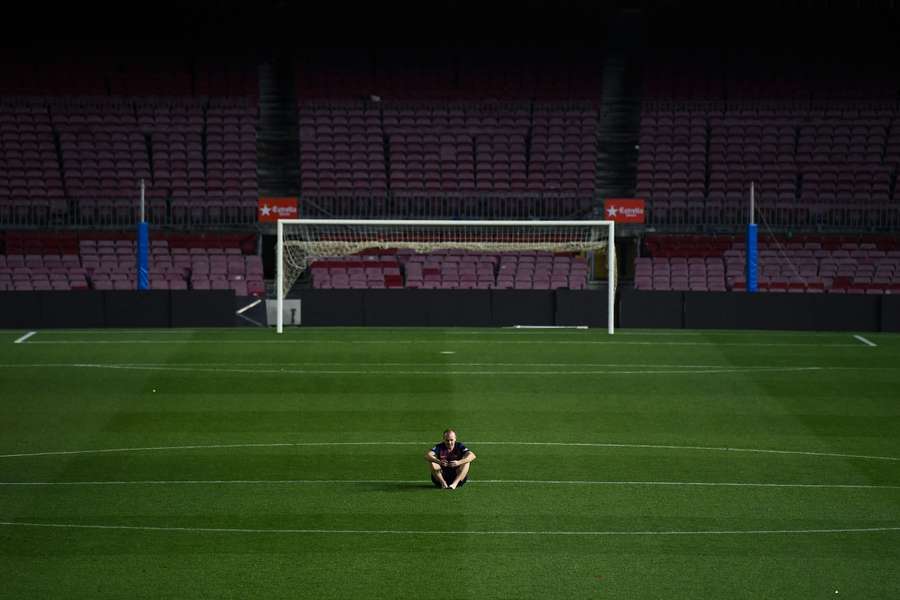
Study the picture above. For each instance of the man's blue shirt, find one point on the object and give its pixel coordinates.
(444, 453)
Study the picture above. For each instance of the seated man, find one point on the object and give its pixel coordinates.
(449, 462)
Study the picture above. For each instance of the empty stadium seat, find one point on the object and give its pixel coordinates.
(701, 263)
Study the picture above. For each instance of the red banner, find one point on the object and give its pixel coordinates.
(273, 209)
(624, 210)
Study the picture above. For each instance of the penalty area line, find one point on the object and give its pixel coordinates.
(420, 342)
(445, 532)
(417, 372)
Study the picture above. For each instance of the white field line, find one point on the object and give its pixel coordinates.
(22, 339)
(618, 367)
(436, 371)
(427, 444)
(248, 307)
(272, 364)
(549, 327)
(865, 341)
(511, 331)
(426, 483)
(446, 532)
(500, 331)
(456, 341)
(139, 331)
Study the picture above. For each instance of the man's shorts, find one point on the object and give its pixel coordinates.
(449, 476)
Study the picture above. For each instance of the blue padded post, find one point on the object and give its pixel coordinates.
(143, 256)
(752, 258)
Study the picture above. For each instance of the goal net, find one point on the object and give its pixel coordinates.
(302, 241)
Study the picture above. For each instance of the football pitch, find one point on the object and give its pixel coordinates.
(649, 464)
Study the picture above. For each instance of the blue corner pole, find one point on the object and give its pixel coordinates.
(143, 249)
(752, 254)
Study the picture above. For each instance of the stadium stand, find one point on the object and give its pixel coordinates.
(80, 261)
(823, 148)
(76, 138)
(452, 269)
(453, 134)
(812, 264)
(473, 136)
(439, 148)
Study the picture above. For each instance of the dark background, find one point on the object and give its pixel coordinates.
(727, 310)
(792, 25)
(85, 309)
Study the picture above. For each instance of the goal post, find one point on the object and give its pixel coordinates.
(300, 241)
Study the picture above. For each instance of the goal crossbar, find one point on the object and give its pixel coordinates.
(347, 236)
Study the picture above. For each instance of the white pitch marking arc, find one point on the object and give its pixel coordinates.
(425, 483)
(472, 443)
(454, 532)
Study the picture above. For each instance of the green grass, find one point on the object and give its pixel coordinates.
(286, 492)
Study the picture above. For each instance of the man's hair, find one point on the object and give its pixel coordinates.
(446, 431)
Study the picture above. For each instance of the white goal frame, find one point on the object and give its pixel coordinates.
(610, 248)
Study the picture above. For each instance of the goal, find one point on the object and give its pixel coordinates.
(301, 241)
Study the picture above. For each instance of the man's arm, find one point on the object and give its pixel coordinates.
(467, 458)
(432, 458)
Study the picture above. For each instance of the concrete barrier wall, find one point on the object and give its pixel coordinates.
(723, 310)
(461, 308)
(453, 308)
(87, 309)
